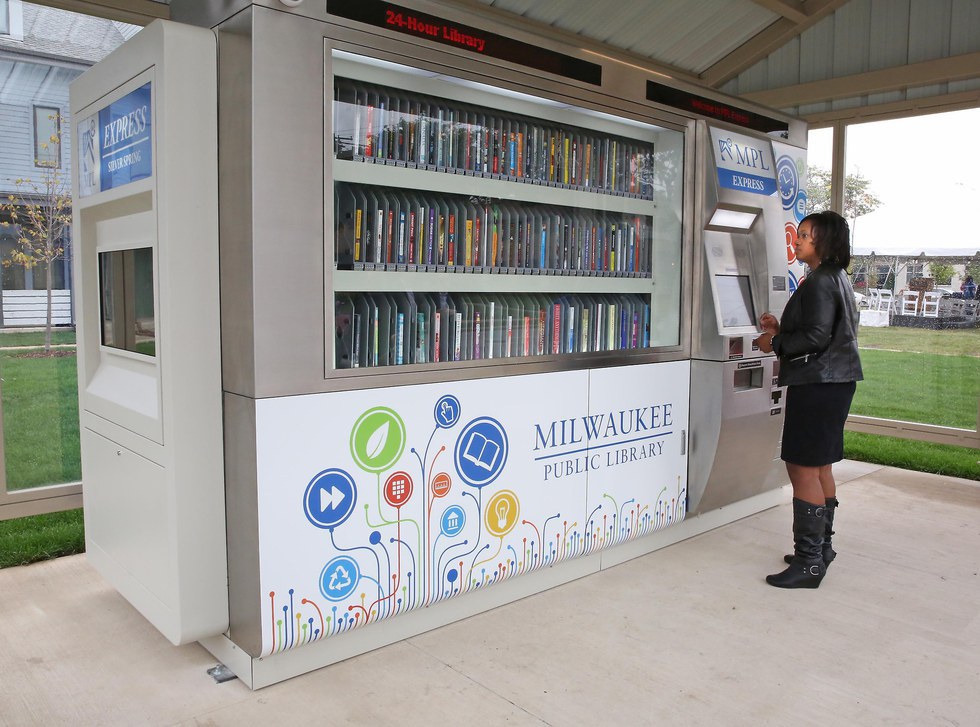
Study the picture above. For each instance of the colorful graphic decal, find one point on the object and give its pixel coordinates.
(790, 172)
(374, 503)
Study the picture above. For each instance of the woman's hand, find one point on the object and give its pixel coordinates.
(769, 323)
(764, 342)
(770, 327)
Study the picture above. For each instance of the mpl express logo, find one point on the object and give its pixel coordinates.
(743, 156)
(745, 166)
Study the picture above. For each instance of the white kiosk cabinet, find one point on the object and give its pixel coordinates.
(149, 364)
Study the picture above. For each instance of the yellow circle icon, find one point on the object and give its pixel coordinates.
(501, 513)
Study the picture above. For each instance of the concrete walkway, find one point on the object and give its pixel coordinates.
(688, 635)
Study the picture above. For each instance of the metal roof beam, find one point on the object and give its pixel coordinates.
(794, 10)
(896, 109)
(768, 41)
(135, 12)
(942, 70)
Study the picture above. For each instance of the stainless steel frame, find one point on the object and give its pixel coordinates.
(276, 260)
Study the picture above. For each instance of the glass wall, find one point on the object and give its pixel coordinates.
(910, 189)
(38, 395)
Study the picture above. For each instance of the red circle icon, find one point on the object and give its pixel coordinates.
(790, 243)
(441, 484)
(398, 489)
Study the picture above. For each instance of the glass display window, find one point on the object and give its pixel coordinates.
(473, 223)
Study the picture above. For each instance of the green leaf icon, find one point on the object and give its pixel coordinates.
(376, 442)
(377, 439)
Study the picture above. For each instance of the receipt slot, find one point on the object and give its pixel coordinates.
(146, 262)
(741, 272)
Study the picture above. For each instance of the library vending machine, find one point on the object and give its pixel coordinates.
(749, 206)
(446, 360)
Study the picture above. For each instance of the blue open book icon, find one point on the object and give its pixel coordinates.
(481, 451)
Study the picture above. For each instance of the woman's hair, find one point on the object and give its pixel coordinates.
(831, 237)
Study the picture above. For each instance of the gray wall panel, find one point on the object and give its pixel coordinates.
(851, 36)
(929, 29)
(889, 31)
(816, 52)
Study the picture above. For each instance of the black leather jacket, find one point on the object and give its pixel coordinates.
(817, 340)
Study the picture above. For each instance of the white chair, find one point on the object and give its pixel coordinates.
(930, 303)
(910, 303)
(872, 301)
(956, 307)
(885, 300)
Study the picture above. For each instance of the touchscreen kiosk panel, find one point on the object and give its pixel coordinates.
(735, 300)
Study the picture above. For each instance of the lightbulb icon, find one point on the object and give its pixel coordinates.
(503, 508)
(502, 513)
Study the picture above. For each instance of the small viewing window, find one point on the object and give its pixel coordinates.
(47, 137)
(126, 298)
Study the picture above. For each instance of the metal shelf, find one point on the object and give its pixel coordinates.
(447, 182)
(359, 281)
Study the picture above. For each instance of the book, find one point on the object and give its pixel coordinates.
(400, 340)
(556, 328)
(476, 334)
(436, 335)
(490, 328)
(458, 335)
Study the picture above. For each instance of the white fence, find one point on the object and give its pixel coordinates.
(30, 307)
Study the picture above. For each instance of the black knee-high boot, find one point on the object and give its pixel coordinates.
(828, 552)
(807, 568)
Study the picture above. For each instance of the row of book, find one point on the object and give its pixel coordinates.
(381, 228)
(382, 125)
(396, 328)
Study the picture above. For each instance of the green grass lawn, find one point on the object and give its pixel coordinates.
(40, 418)
(59, 336)
(940, 459)
(919, 387)
(41, 537)
(918, 375)
(953, 342)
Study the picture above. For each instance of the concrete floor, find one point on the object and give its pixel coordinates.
(687, 635)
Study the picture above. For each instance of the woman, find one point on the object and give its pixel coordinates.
(816, 342)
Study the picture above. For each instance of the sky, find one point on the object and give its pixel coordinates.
(926, 172)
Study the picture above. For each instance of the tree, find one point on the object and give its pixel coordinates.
(942, 273)
(858, 197)
(40, 214)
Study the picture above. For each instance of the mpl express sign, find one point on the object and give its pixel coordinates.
(744, 163)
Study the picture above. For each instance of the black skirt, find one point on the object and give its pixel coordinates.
(813, 430)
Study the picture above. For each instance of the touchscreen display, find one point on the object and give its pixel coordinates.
(735, 299)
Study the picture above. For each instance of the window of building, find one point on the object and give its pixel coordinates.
(4, 18)
(47, 136)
